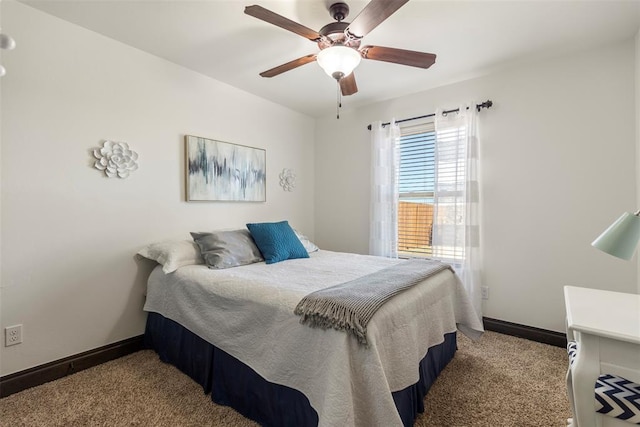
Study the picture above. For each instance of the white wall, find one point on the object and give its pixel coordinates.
(69, 235)
(558, 166)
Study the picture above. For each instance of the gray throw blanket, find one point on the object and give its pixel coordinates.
(349, 306)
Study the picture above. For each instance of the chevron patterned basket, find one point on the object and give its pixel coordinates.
(618, 397)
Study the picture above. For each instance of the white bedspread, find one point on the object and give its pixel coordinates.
(248, 312)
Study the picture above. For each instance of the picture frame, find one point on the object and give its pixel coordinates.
(222, 171)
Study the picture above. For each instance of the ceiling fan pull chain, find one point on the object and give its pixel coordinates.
(339, 101)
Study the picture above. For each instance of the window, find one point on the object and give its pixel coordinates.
(416, 181)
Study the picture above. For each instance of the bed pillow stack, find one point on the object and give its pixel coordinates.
(277, 241)
(232, 248)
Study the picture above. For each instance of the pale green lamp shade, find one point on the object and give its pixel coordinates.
(621, 238)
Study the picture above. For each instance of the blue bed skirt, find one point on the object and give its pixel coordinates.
(234, 384)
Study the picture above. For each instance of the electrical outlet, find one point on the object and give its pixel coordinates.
(485, 292)
(12, 335)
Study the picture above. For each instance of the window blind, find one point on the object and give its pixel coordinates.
(416, 180)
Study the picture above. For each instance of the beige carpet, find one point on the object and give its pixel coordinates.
(497, 381)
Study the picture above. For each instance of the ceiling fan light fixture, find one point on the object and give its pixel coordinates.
(338, 61)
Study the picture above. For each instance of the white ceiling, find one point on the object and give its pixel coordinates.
(470, 38)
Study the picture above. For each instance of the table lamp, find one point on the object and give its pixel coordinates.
(621, 238)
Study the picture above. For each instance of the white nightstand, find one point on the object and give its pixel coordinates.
(606, 326)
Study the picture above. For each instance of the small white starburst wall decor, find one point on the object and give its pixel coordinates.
(287, 179)
(6, 42)
(115, 159)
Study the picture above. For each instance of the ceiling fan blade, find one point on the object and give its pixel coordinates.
(398, 56)
(372, 15)
(348, 85)
(288, 66)
(282, 22)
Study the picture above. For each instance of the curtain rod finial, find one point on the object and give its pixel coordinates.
(486, 104)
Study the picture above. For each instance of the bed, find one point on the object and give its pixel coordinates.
(234, 331)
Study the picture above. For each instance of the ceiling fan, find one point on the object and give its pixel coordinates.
(339, 42)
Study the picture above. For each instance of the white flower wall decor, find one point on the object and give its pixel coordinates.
(115, 159)
(287, 179)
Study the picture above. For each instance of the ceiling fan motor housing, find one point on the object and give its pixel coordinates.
(334, 34)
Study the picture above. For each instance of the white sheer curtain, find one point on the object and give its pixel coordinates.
(383, 232)
(456, 212)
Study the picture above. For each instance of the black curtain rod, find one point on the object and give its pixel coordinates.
(485, 104)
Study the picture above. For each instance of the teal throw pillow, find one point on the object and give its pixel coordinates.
(277, 241)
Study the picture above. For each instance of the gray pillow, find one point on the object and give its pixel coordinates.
(224, 249)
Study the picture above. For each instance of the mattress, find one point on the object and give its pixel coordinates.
(248, 312)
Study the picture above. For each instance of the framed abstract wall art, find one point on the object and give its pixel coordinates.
(221, 171)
